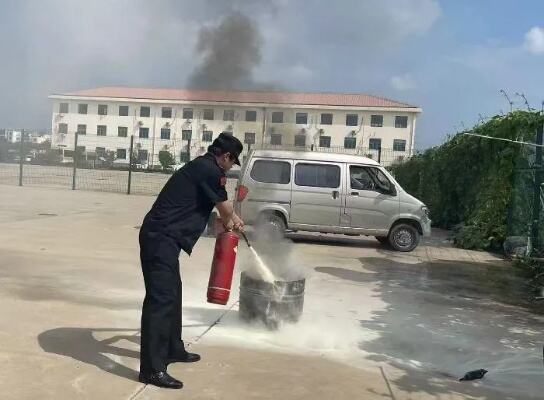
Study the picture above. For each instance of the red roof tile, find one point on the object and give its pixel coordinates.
(322, 99)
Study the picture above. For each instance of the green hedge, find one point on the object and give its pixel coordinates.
(467, 181)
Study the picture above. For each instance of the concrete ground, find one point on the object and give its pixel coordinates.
(376, 324)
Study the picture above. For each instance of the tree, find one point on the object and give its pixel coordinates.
(166, 159)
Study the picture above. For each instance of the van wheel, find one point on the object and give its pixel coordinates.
(270, 227)
(382, 239)
(404, 237)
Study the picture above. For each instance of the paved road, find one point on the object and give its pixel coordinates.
(376, 324)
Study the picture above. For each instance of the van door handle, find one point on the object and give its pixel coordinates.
(335, 194)
(355, 193)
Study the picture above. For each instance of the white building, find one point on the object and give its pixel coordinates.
(184, 122)
(10, 135)
(14, 136)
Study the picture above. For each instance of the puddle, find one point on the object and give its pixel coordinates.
(447, 318)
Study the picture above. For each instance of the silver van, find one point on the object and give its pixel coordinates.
(329, 193)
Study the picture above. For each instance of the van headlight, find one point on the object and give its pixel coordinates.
(425, 210)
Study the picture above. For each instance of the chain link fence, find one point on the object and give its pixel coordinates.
(525, 227)
(131, 165)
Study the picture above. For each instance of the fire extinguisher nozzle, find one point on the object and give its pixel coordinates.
(245, 238)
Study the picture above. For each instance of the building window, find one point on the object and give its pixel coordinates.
(122, 131)
(186, 134)
(350, 142)
(277, 117)
(324, 141)
(142, 156)
(100, 151)
(166, 112)
(300, 140)
(376, 120)
(275, 138)
(301, 118)
(123, 111)
(317, 175)
(165, 133)
(82, 129)
(145, 111)
(188, 113)
(352, 119)
(208, 114)
(271, 171)
(375, 144)
(207, 136)
(399, 145)
(251, 116)
(326, 119)
(228, 115)
(401, 121)
(63, 108)
(101, 130)
(102, 109)
(63, 128)
(249, 138)
(82, 108)
(121, 154)
(144, 133)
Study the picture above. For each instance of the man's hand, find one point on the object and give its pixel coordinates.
(238, 224)
(229, 226)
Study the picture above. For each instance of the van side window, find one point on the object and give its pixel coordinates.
(317, 175)
(271, 171)
(369, 178)
(382, 180)
(360, 179)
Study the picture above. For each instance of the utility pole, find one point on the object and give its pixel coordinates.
(75, 157)
(130, 163)
(21, 156)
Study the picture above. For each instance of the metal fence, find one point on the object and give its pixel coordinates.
(526, 208)
(123, 164)
(29, 164)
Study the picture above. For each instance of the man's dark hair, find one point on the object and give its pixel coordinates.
(216, 151)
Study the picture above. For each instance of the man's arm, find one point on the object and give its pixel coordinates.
(228, 216)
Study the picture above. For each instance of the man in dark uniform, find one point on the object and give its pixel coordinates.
(174, 223)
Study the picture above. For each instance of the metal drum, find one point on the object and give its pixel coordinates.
(270, 303)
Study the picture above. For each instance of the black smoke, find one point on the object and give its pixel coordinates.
(229, 52)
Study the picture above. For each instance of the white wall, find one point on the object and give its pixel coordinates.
(337, 131)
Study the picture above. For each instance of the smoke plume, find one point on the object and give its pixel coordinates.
(229, 53)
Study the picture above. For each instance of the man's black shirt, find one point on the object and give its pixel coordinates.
(183, 206)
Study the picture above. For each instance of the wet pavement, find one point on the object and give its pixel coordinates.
(451, 317)
(376, 323)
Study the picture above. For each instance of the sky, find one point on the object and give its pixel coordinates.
(449, 57)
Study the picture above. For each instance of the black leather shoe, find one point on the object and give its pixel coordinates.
(161, 379)
(184, 357)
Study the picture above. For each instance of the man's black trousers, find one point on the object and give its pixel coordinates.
(161, 311)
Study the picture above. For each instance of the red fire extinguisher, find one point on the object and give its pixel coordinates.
(224, 257)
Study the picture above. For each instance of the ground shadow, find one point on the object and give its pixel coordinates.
(81, 345)
(442, 319)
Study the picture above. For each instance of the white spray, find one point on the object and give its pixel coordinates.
(261, 266)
